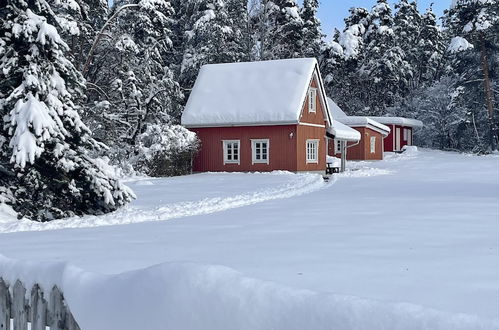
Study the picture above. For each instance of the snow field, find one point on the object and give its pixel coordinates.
(405, 243)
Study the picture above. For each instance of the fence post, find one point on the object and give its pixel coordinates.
(5, 302)
(38, 309)
(19, 312)
(56, 310)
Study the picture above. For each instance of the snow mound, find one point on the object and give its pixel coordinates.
(364, 172)
(298, 184)
(410, 150)
(7, 213)
(192, 297)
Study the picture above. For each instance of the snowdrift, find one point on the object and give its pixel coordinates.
(191, 296)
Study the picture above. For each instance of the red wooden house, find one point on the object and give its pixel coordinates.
(402, 131)
(372, 134)
(259, 116)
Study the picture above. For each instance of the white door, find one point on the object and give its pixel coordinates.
(397, 139)
(409, 137)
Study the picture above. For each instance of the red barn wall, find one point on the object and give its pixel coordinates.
(390, 141)
(282, 148)
(362, 151)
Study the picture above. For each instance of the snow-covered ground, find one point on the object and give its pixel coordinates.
(406, 243)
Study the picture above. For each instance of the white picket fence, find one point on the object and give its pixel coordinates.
(34, 309)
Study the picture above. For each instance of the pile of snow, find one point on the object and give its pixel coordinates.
(410, 150)
(7, 214)
(398, 121)
(192, 297)
(459, 44)
(334, 161)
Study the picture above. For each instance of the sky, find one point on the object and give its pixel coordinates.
(332, 12)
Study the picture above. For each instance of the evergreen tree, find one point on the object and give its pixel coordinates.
(44, 144)
(209, 38)
(286, 32)
(311, 34)
(475, 24)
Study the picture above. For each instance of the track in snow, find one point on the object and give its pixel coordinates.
(299, 184)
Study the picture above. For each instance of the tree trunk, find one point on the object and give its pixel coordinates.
(488, 91)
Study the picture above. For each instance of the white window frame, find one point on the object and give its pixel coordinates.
(373, 144)
(254, 151)
(312, 144)
(312, 100)
(337, 146)
(226, 144)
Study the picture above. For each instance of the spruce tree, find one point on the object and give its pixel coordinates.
(477, 23)
(311, 34)
(44, 144)
(286, 31)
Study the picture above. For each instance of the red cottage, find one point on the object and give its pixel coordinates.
(372, 133)
(259, 116)
(402, 131)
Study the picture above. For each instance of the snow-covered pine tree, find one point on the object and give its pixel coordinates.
(44, 144)
(208, 34)
(407, 25)
(475, 27)
(135, 87)
(432, 49)
(384, 70)
(240, 45)
(285, 35)
(312, 35)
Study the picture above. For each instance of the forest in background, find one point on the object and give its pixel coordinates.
(84, 85)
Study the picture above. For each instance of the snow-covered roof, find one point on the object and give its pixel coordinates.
(399, 121)
(360, 121)
(334, 109)
(343, 132)
(340, 117)
(250, 93)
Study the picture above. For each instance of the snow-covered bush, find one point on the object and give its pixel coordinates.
(165, 150)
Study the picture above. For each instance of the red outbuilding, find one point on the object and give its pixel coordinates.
(402, 131)
(259, 116)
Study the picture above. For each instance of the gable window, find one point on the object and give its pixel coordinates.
(373, 144)
(231, 152)
(260, 151)
(312, 99)
(312, 151)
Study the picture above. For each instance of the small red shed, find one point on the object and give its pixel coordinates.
(370, 143)
(402, 131)
(259, 116)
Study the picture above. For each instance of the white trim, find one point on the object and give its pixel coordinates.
(225, 144)
(316, 151)
(312, 125)
(253, 151)
(312, 100)
(373, 144)
(397, 139)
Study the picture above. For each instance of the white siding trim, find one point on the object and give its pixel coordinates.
(225, 145)
(312, 151)
(253, 151)
(312, 125)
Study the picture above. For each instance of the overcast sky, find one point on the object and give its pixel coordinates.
(332, 12)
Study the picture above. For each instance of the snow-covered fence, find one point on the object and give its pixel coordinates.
(34, 308)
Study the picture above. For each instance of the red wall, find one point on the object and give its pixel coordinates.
(282, 148)
(390, 139)
(362, 150)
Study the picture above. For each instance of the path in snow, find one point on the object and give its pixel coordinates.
(237, 191)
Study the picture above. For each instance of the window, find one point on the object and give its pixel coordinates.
(312, 151)
(231, 152)
(337, 146)
(312, 99)
(409, 137)
(406, 134)
(373, 144)
(260, 151)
